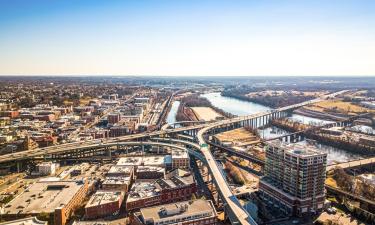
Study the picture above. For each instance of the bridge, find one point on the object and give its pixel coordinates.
(353, 164)
(235, 212)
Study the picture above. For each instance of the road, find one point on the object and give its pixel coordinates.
(237, 213)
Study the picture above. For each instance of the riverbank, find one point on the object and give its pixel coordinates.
(347, 144)
(187, 105)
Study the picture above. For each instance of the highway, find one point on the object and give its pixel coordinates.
(237, 214)
(353, 163)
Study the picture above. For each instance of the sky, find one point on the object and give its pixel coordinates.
(187, 37)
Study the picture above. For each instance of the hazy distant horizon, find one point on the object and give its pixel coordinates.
(190, 76)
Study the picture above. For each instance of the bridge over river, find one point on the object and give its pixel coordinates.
(235, 212)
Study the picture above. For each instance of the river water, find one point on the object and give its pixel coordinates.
(241, 107)
(171, 118)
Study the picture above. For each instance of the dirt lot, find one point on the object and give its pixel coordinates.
(237, 135)
(205, 113)
(339, 218)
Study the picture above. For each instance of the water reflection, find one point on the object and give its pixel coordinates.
(240, 107)
(171, 118)
(234, 106)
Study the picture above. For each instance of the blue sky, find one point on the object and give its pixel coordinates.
(187, 37)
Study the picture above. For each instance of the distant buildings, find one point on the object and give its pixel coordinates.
(294, 178)
(186, 213)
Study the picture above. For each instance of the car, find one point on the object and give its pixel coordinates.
(331, 210)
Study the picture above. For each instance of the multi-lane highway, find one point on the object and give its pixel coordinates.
(236, 212)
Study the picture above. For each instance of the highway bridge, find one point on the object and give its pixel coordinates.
(235, 212)
(353, 164)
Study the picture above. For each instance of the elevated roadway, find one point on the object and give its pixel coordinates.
(353, 164)
(236, 213)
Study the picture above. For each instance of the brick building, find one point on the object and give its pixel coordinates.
(104, 203)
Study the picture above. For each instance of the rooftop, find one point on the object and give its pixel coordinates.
(297, 149)
(121, 169)
(139, 160)
(150, 169)
(25, 221)
(142, 189)
(146, 189)
(43, 196)
(179, 154)
(181, 209)
(104, 197)
(117, 180)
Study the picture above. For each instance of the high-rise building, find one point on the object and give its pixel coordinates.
(294, 178)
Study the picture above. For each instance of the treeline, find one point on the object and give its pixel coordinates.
(274, 101)
(348, 145)
(357, 186)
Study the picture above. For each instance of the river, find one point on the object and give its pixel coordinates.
(241, 107)
(171, 118)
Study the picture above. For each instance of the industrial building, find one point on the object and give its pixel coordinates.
(188, 212)
(58, 198)
(121, 171)
(161, 191)
(294, 178)
(104, 203)
(117, 183)
(150, 172)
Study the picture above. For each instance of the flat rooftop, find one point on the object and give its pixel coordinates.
(298, 149)
(180, 154)
(120, 180)
(43, 196)
(120, 169)
(150, 169)
(104, 197)
(25, 221)
(146, 189)
(180, 209)
(142, 189)
(142, 161)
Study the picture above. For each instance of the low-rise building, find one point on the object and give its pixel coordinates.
(180, 159)
(185, 213)
(58, 198)
(25, 221)
(150, 172)
(47, 168)
(121, 171)
(158, 161)
(118, 183)
(104, 203)
(161, 191)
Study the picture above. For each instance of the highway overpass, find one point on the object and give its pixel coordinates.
(236, 213)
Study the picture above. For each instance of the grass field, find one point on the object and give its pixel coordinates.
(340, 106)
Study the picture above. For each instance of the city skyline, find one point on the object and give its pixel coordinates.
(211, 38)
